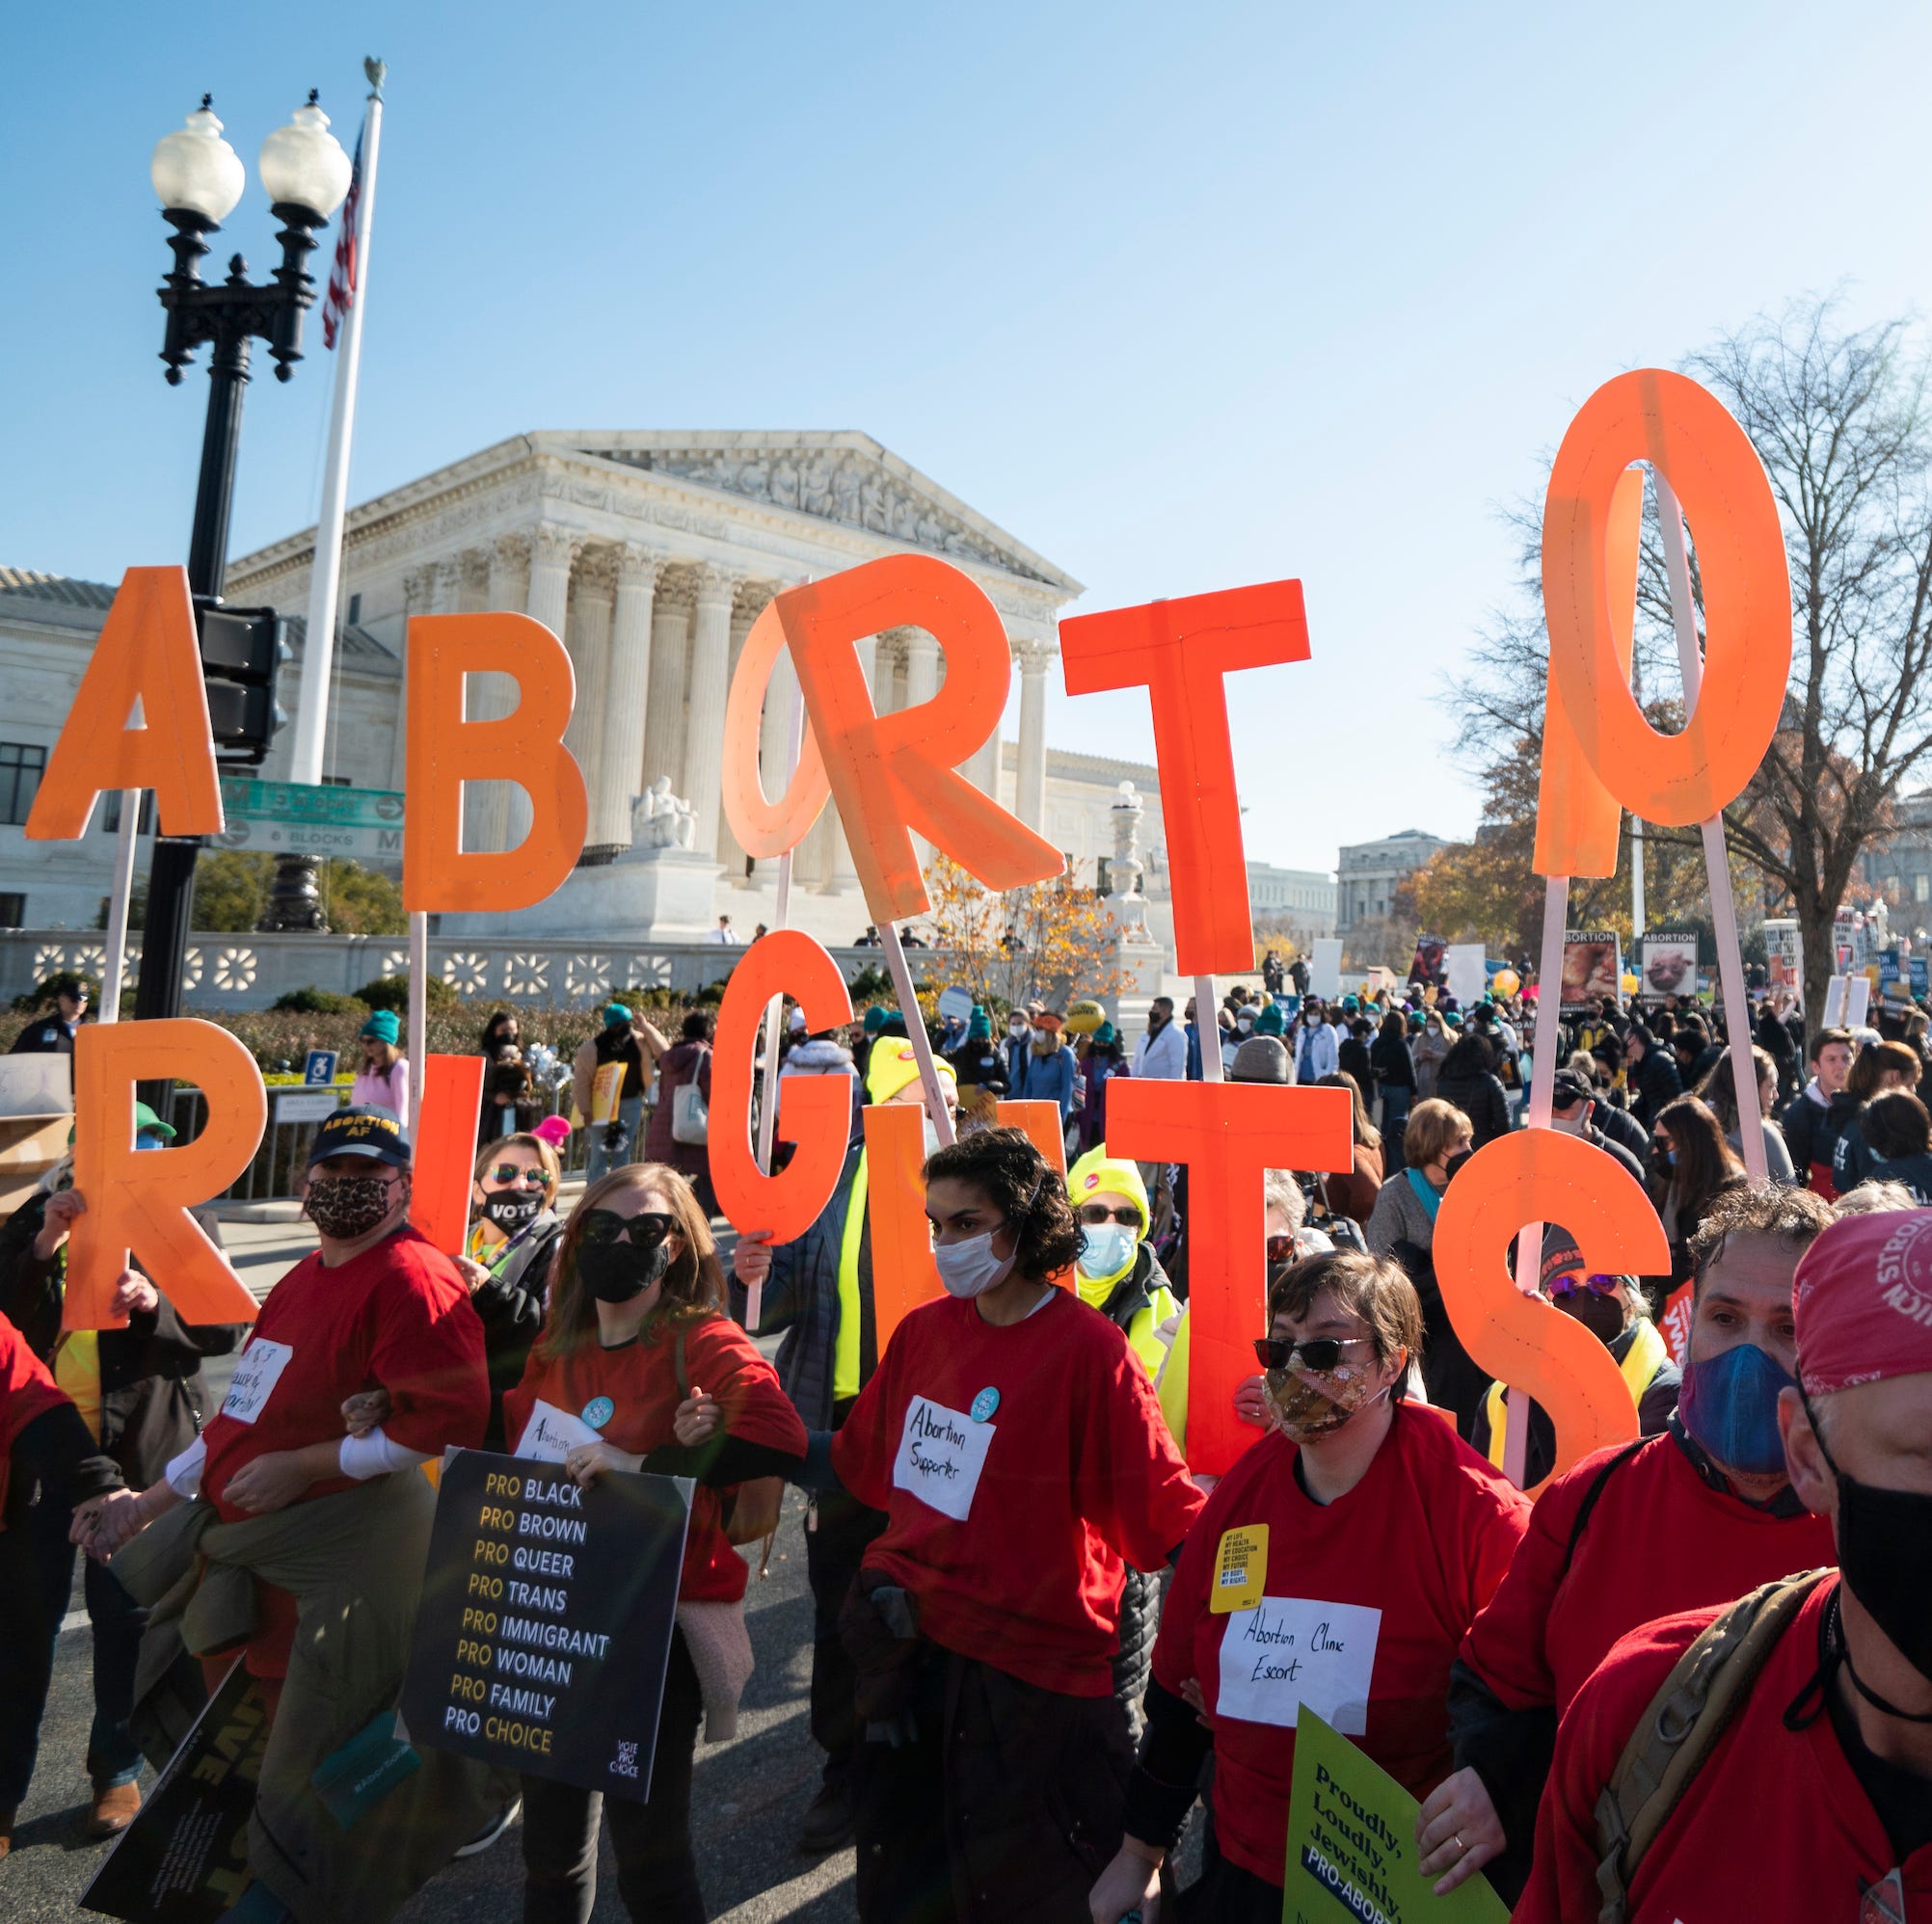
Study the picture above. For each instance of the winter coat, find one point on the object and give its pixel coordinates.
(1353, 1059)
(1813, 1124)
(1394, 1066)
(1048, 1077)
(688, 1062)
(510, 1306)
(153, 1398)
(1476, 1092)
(1354, 1195)
(1654, 1082)
(1428, 1050)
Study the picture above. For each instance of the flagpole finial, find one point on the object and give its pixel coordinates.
(378, 71)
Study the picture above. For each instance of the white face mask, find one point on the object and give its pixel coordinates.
(1016, 1030)
(970, 1269)
(1109, 1247)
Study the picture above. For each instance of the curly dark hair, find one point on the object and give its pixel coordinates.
(1025, 1188)
(1793, 1216)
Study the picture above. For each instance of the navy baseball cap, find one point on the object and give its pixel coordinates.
(365, 1129)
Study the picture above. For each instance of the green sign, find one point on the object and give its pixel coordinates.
(295, 818)
(1351, 1844)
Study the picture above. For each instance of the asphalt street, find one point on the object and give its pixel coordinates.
(749, 1796)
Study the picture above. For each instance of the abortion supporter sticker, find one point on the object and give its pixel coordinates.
(1293, 1650)
(940, 1457)
(255, 1377)
(552, 1433)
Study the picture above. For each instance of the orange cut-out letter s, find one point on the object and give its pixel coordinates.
(1543, 1175)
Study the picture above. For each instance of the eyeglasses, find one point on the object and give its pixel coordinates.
(1319, 1352)
(1095, 1214)
(515, 1172)
(648, 1228)
(1280, 1250)
(1565, 1286)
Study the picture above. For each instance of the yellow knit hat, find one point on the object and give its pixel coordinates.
(891, 1065)
(1098, 1173)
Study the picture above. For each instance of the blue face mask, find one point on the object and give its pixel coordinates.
(1729, 1404)
(148, 1142)
(1108, 1248)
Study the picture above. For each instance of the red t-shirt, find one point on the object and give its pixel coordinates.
(640, 1378)
(1018, 1465)
(397, 1315)
(1776, 1824)
(1659, 1540)
(27, 1392)
(1365, 1597)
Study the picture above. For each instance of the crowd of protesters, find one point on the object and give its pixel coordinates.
(1018, 1684)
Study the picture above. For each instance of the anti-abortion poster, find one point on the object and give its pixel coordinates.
(545, 1628)
(1668, 966)
(184, 1858)
(1593, 967)
(1352, 1843)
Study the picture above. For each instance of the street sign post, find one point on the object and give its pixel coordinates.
(318, 1068)
(292, 819)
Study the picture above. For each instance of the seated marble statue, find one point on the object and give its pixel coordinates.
(660, 819)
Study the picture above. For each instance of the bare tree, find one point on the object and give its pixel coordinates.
(1839, 419)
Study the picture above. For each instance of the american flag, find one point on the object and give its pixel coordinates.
(341, 295)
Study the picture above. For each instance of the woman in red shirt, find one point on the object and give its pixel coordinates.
(1013, 1440)
(639, 1369)
(1336, 1565)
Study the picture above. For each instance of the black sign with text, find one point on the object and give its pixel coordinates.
(545, 1628)
(184, 1858)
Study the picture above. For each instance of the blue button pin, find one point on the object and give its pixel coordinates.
(984, 1405)
(598, 1411)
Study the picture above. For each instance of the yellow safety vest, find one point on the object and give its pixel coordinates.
(1642, 1361)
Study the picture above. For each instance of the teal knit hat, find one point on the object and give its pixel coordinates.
(981, 1028)
(384, 1027)
(1269, 1021)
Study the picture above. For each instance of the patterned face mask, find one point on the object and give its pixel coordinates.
(345, 1207)
(1308, 1406)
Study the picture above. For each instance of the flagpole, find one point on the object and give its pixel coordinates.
(311, 715)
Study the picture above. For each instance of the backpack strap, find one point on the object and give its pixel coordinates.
(1589, 1503)
(1681, 1727)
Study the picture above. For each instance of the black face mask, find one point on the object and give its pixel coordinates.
(619, 1272)
(1884, 1551)
(1454, 1163)
(510, 1209)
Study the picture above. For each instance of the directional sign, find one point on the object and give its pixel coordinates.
(318, 1069)
(295, 818)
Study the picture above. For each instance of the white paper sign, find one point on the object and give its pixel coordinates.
(1292, 1650)
(552, 1433)
(940, 1457)
(257, 1372)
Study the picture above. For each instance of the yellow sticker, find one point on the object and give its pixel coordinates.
(1240, 1570)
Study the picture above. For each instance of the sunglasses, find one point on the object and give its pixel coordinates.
(1280, 1250)
(1565, 1286)
(1095, 1214)
(648, 1228)
(513, 1172)
(1319, 1352)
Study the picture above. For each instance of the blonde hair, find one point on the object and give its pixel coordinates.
(1433, 1126)
(547, 1155)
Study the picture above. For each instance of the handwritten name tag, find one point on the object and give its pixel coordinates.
(552, 1433)
(257, 1370)
(940, 1457)
(1292, 1650)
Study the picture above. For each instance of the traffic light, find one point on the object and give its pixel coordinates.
(242, 651)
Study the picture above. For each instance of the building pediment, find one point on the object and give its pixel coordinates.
(844, 477)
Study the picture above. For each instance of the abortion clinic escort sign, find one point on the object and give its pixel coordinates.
(545, 1621)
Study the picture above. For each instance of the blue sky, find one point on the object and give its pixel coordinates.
(1183, 298)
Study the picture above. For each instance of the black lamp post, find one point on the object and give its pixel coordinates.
(200, 178)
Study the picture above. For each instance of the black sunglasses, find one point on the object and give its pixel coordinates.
(1095, 1214)
(1319, 1352)
(648, 1228)
(1280, 1250)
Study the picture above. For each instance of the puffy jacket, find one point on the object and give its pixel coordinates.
(1047, 1079)
(1654, 1082)
(1813, 1124)
(1480, 1097)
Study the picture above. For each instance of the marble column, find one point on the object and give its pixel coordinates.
(710, 682)
(595, 585)
(625, 692)
(731, 851)
(446, 585)
(553, 550)
(922, 683)
(774, 744)
(486, 808)
(664, 706)
(1030, 789)
(844, 876)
